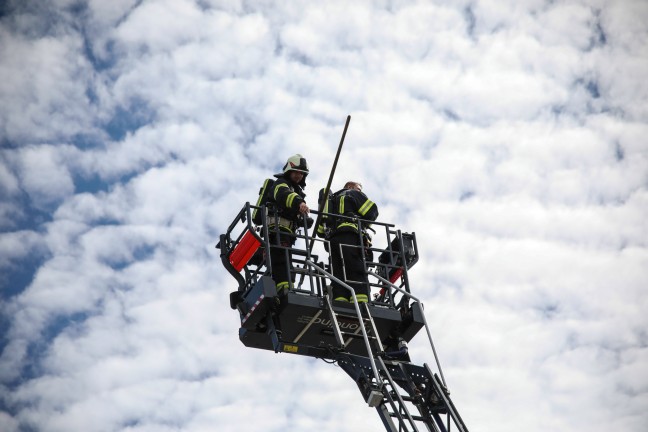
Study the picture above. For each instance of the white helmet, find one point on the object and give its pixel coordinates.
(296, 163)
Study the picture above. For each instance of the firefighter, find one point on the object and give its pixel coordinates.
(347, 244)
(288, 200)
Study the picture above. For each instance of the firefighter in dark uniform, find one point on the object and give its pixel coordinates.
(347, 243)
(288, 199)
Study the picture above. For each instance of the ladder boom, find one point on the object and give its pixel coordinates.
(368, 341)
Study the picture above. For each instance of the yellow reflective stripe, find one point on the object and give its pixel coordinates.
(349, 224)
(365, 207)
(290, 199)
(341, 210)
(280, 185)
(320, 229)
(265, 185)
(344, 299)
(258, 203)
(282, 286)
(362, 298)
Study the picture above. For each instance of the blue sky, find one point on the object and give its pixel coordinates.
(509, 135)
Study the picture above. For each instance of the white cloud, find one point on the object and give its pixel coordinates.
(43, 174)
(16, 246)
(510, 136)
(8, 183)
(43, 85)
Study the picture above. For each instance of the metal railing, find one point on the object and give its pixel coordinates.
(427, 328)
(303, 262)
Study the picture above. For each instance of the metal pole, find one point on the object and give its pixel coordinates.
(330, 180)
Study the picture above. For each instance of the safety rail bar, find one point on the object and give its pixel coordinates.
(394, 254)
(427, 328)
(262, 234)
(254, 270)
(358, 315)
(364, 331)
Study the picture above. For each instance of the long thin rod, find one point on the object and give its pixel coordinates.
(328, 185)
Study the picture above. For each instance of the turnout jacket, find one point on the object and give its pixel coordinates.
(351, 203)
(287, 197)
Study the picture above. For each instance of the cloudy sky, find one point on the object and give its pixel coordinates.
(510, 135)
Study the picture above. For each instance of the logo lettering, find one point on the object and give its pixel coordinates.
(326, 322)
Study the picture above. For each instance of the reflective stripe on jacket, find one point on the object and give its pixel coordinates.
(287, 198)
(352, 203)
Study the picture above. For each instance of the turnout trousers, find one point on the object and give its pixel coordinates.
(280, 259)
(347, 263)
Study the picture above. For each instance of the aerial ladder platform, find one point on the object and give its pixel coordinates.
(366, 340)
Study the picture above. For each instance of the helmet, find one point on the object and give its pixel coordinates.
(296, 163)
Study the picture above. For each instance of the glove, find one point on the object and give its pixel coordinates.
(309, 221)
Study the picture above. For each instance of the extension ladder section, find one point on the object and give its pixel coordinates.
(407, 397)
